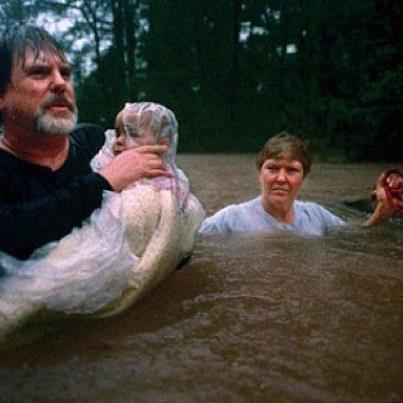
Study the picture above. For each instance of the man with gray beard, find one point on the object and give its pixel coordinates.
(46, 184)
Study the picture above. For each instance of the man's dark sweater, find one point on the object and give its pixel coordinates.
(38, 205)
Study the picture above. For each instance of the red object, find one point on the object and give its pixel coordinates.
(393, 189)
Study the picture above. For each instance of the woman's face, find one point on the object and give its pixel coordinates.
(281, 180)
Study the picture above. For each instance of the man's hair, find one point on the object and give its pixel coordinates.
(14, 43)
(286, 145)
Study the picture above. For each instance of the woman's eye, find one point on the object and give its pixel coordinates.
(294, 170)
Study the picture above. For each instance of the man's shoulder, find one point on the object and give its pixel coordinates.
(11, 165)
(88, 135)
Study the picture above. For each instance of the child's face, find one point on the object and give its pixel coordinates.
(136, 132)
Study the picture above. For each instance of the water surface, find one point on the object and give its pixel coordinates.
(258, 318)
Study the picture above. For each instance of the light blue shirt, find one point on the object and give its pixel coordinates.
(310, 218)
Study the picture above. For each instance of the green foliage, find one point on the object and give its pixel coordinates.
(237, 71)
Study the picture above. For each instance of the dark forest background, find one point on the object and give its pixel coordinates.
(236, 72)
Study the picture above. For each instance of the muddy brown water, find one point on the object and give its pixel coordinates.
(274, 318)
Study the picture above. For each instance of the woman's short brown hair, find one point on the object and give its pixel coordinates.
(286, 145)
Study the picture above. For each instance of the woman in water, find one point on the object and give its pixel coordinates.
(283, 164)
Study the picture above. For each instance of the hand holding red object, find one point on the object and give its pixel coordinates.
(389, 188)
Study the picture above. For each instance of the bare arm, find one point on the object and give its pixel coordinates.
(383, 209)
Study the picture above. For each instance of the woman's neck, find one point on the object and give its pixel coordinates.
(282, 213)
(49, 151)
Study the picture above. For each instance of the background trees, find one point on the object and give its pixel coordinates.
(237, 71)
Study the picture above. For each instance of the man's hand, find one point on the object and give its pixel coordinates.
(134, 164)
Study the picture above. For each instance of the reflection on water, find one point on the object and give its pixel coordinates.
(248, 319)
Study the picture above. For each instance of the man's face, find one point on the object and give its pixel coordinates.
(40, 97)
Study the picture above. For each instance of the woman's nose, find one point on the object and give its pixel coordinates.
(281, 176)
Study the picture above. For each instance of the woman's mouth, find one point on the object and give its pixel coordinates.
(279, 190)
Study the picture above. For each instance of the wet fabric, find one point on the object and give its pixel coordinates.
(310, 218)
(78, 274)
